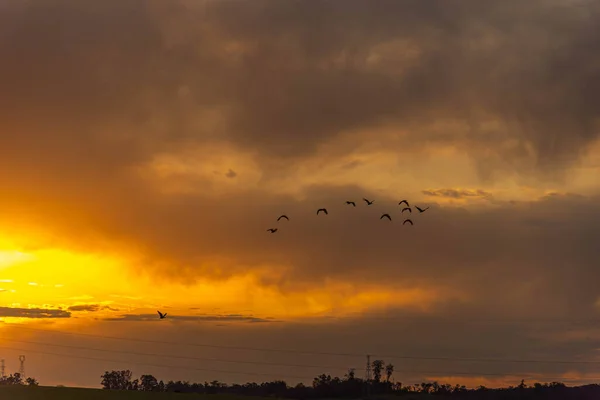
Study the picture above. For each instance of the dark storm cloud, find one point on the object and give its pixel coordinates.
(83, 103)
(192, 318)
(290, 75)
(33, 313)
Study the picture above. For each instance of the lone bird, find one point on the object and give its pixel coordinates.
(322, 209)
(421, 209)
(161, 315)
(386, 216)
(407, 220)
(405, 202)
(407, 209)
(283, 216)
(368, 202)
(351, 202)
(272, 230)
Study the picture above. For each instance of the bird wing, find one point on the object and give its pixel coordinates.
(407, 220)
(159, 313)
(165, 314)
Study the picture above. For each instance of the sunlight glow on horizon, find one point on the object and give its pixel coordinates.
(105, 281)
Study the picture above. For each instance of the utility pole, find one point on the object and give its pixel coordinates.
(22, 367)
(368, 378)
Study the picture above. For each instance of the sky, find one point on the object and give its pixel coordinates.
(147, 146)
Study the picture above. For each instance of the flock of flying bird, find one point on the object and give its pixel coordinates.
(353, 204)
(350, 203)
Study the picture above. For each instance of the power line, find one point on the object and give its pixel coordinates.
(149, 364)
(448, 373)
(489, 360)
(196, 344)
(175, 356)
(408, 357)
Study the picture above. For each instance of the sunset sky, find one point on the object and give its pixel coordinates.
(147, 146)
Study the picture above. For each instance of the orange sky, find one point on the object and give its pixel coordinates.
(141, 165)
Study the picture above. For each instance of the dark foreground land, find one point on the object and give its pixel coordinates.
(66, 393)
(588, 392)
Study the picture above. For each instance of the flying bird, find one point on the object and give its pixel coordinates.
(351, 202)
(272, 230)
(405, 202)
(368, 202)
(387, 216)
(161, 315)
(322, 209)
(421, 209)
(407, 220)
(407, 208)
(283, 216)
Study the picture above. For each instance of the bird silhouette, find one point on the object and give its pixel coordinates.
(322, 209)
(283, 216)
(407, 208)
(407, 220)
(161, 315)
(405, 202)
(421, 209)
(351, 202)
(387, 216)
(368, 202)
(272, 230)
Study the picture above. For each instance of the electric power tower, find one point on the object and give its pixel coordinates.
(22, 366)
(2, 369)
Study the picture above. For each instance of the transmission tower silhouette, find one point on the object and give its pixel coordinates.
(22, 366)
(2, 369)
(368, 378)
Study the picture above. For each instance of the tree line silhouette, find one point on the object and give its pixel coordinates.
(17, 379)
(349, 386)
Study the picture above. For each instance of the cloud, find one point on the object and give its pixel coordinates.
(457, 193)
(90, 308)
(265, 80)
(280, 84)
(33, 313)
(192, 318)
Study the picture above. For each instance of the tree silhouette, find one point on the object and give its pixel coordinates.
(117, 380)
(31, 382)
(377, 366)
(349, 387)
(148, 383)
(389, 370)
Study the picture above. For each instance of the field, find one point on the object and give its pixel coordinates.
(65, 393)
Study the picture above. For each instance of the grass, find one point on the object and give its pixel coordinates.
(66, 393)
